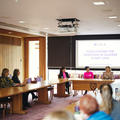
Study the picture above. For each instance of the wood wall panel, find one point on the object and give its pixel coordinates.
(11, 57)
(10, 40)
(43, 58)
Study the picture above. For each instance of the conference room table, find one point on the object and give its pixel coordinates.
(16, 94)
(114, 84)
(88, 84)
(41, 87)
(79, 84)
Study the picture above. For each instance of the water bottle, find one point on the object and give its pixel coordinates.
(77, 109)
(29, 80)
(40, 78)
(116, 93)
(10, 76)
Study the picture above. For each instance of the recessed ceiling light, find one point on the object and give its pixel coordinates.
(21, 21)
(99, 3)
(118, 25)
(112, 17)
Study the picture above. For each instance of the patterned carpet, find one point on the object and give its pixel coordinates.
(38, 111)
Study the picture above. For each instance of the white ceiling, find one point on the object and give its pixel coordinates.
(40, 14)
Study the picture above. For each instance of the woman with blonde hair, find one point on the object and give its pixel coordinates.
(60, 115)
(108, 74)
(109, 105)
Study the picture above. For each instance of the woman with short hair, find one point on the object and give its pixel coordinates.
(89, 109)
(88, 75)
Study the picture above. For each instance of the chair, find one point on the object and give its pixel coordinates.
(3, 112)
(4, 105)
(51, 89)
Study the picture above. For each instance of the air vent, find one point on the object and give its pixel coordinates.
(107, 10)
(14, 26)
(4, 17)
(28, 30)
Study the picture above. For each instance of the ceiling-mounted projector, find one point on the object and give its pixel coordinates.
(68, 24)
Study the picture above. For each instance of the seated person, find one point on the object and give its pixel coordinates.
(64, 75)
(5, 81)
(109, 105)
(89, 109)
(59, 115)
(16, 80)
(88, 75)
(108, 74)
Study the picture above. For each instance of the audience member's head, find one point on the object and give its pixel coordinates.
(107, 69)
(60, 115)
(5, 72)
(63, 69)
(106, 93)
(88, 105)
(87, 68)
(16, 72)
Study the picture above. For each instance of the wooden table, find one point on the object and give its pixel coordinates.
(88, 84)
(84, 84)
(60, 87)
(41, 87)
(78, 84)
(16, 94)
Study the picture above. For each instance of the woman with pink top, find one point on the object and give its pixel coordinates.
(64, 75)
(88, 75)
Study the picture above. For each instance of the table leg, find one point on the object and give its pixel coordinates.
(61, 90)
(43, 96)
(17, 104)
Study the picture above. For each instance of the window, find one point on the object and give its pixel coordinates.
(33, 59)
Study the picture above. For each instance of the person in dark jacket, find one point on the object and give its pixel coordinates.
(16, 80)
(64, 75)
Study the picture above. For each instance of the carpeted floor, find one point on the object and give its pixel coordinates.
(38, 111)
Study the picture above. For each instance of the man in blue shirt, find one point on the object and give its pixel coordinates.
(89, 109)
